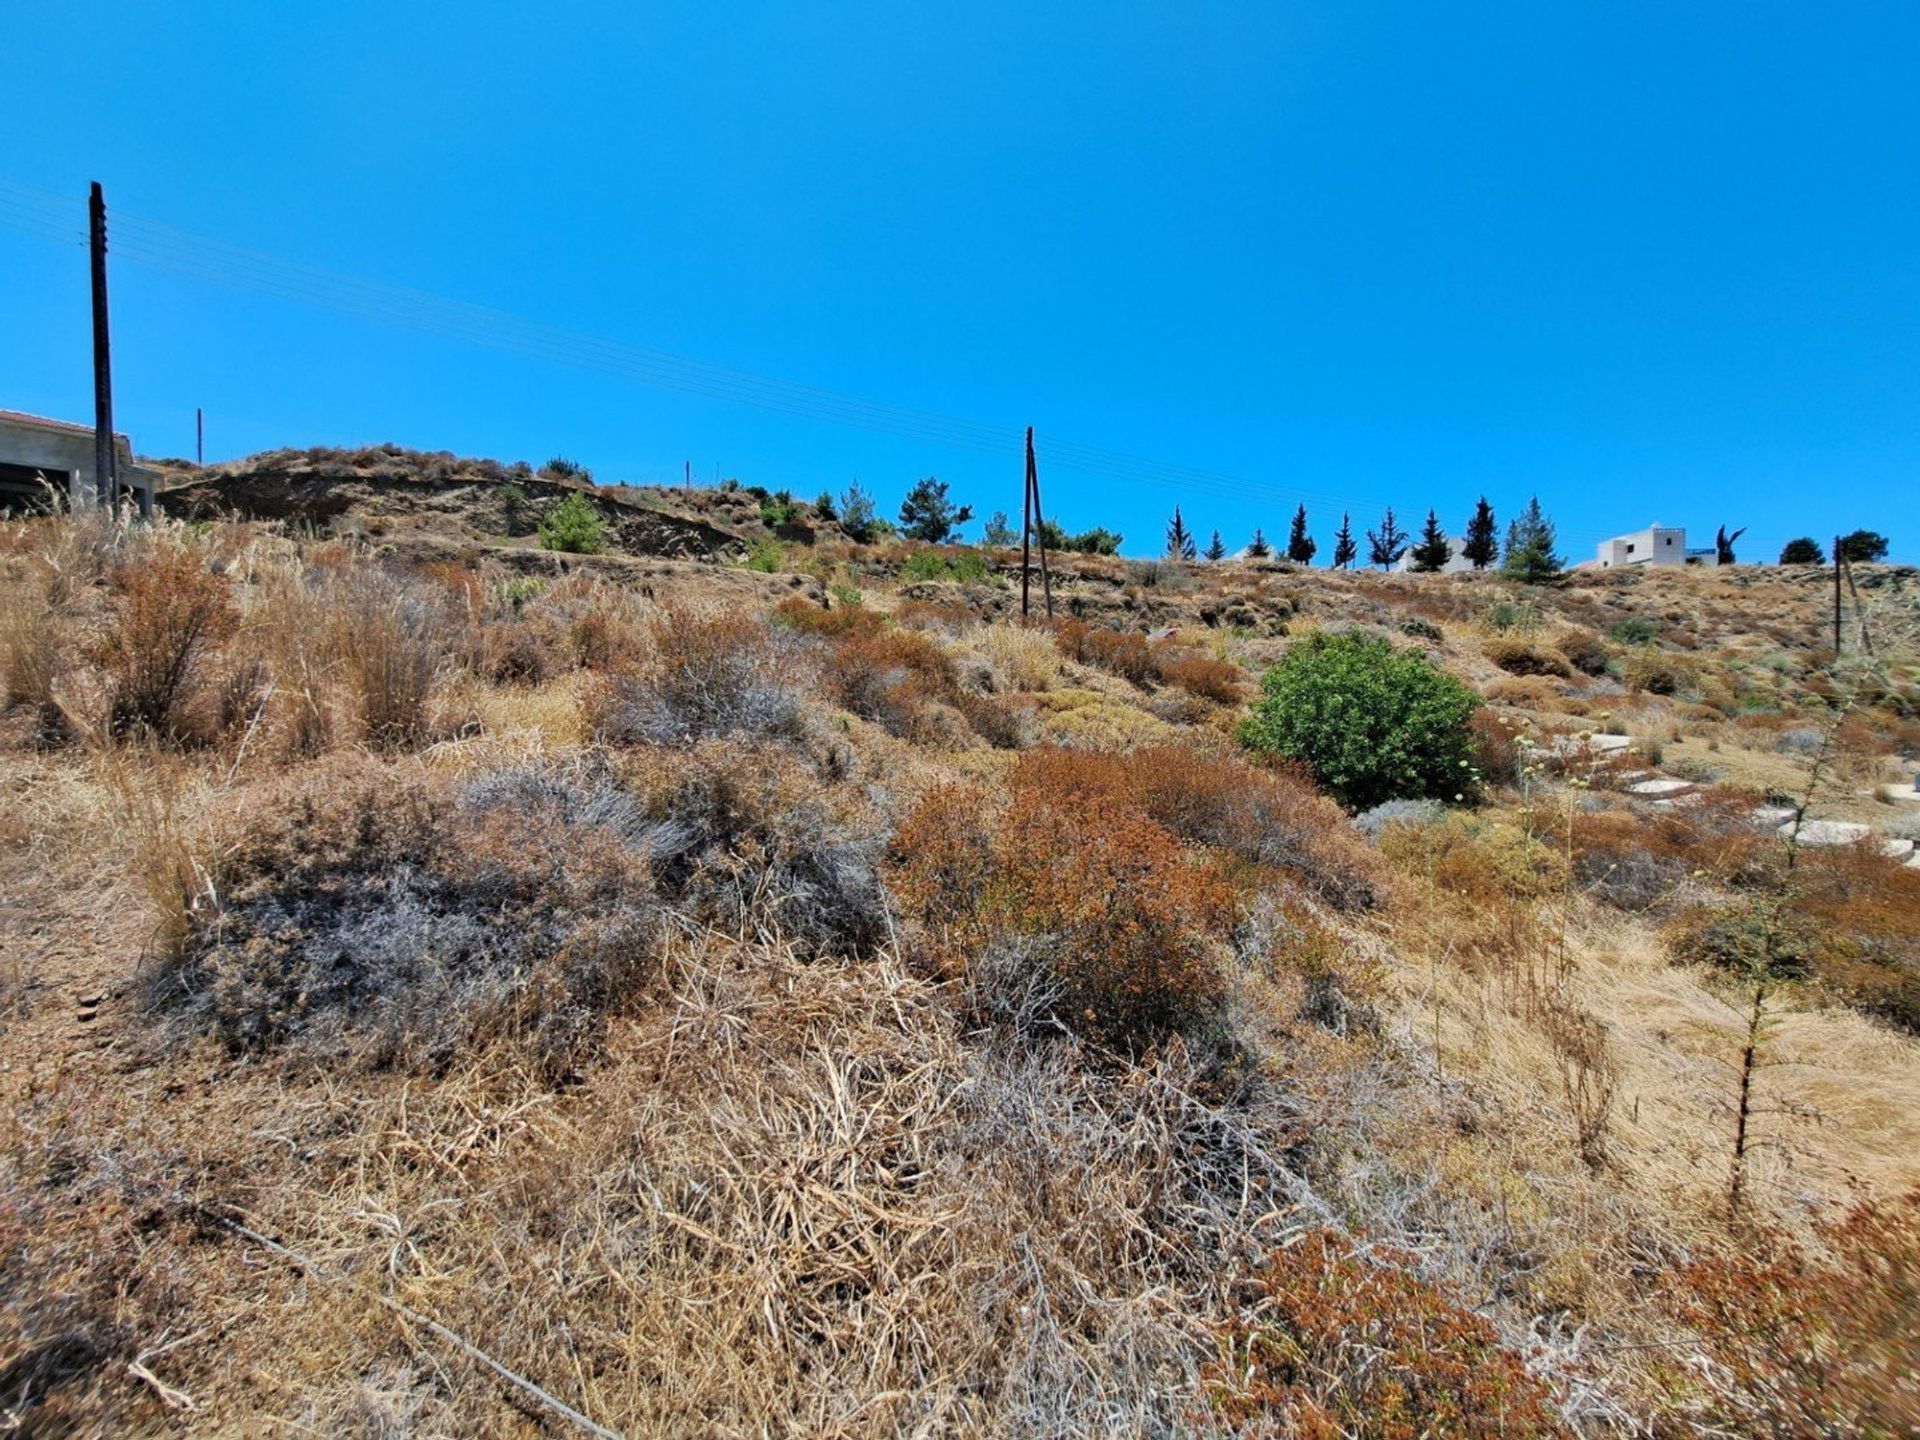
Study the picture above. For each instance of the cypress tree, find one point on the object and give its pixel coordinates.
(1179, 539)
(1344, 550)
(1300, 545)
(1387, 544)
(1483, 537)
(1434, 549)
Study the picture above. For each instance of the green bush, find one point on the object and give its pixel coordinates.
(1370, 722)
(767, 557)
(964, 566)
(575, 526)
(1636, 632)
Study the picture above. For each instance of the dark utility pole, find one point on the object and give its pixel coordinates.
(199, 436)
(1836, 595)
(105, 488)
(1026, 526)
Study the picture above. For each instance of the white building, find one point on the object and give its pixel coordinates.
(41, 459)
(1456, 561)
(1655, 545)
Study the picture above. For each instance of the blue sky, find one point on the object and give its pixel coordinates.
(1654, 261)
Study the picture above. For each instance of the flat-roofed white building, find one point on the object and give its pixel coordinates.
(1655, 545)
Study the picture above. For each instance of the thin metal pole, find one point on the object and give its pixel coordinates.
(1026, 527)
(199, 436)
(105, 489)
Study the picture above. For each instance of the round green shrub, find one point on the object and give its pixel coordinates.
(573, 526)
(1371, 723)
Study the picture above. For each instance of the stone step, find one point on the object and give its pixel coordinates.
(1827, 832)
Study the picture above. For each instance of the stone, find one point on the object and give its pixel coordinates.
(1896, 849)
(1827, 832)
(1664, 788)
(1772, 815)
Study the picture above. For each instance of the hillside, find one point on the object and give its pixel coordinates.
(749, 982)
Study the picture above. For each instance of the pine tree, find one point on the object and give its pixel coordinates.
(1179, 539)
(1218, 549)
(1530, 540)
(1804, 551)
(926, 514)
(1344, 550)
(1257, 548)
(1000, 531)
(1434, 550)
(1300, 545)
(1387, 544)
(1483, 537)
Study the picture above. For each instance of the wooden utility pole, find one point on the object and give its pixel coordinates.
(106, 489)
(1026, 527)
(1836, 595)
(199, 436)
(1039, 522)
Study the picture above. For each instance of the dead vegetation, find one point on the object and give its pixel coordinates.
(504, 1001)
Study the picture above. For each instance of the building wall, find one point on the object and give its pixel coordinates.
(1656, 545)
(61, 452)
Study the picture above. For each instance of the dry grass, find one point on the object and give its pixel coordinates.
(524, 953)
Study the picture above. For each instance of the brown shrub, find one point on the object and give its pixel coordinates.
(1516, 657)
(843, 620)
(1129, 923)
(1267, 816)
(1202, 676)
(1124, 654)
(1866, 912)
(1814, 1340)
(896, 678)
(1643, 860)
(390, 639)
(1496, 753)
(168, 613)
(1333, 1342)
(932, 615)
(1585, 652)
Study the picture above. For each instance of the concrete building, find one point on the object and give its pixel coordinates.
(1655, 545)
(1456, 562)
(37, 453)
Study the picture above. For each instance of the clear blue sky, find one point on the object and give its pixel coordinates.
(1656, 261)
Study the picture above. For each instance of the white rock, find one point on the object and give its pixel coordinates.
(1907, 794)
(1668, 787)
(1827, 832)
(1896, 849)
(1772, 814)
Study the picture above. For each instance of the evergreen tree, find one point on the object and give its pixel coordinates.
(1387, 544)
(1257, 548)
(1483, 538)
(1530, 540)
(1804, 551)
(1344, 550)
(1300, 545)
(1863, 547)
(999, 531)
(1434, 549)
(1218, 549)
(1179, 539)
(857, 515)
(926, 514)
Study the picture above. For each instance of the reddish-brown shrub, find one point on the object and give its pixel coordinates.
(810, 619)
(1130, 923)
(1271, 816)
(1496, 755)
(1124, 654)
(1585, 652)
(169, 612)
(1202, 676)
(1818, 1340)
(895, 678)
(1331, 1343)
(932, 615)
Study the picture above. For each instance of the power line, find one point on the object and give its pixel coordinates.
(47, 215)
